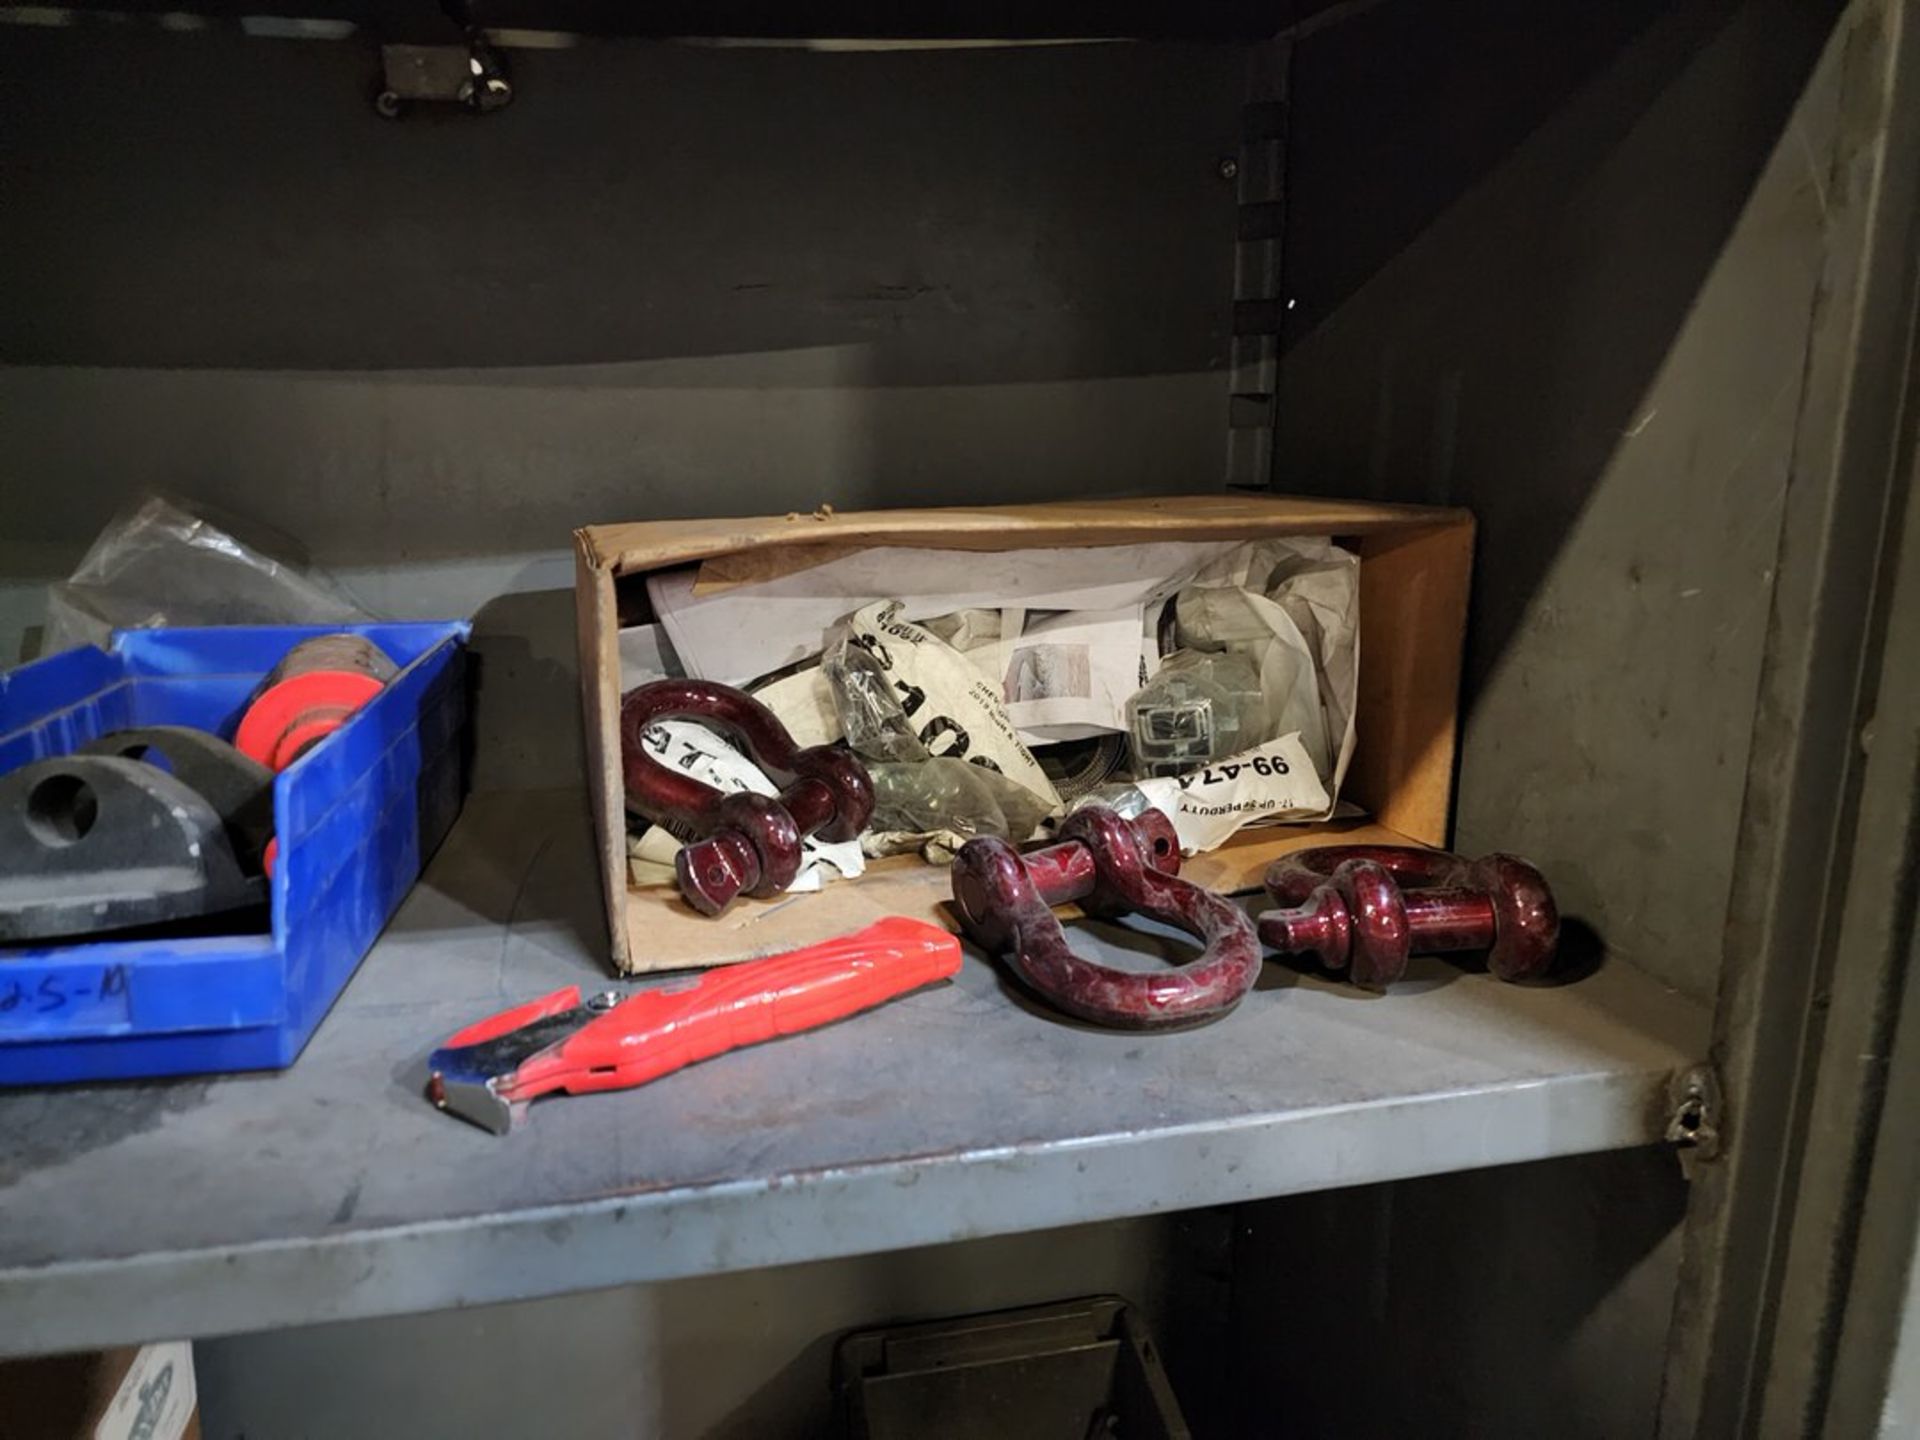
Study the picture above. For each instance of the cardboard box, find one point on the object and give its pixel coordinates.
(144, 1392)
(1414, 577)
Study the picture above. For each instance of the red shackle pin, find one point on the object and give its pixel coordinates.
(739, 842)
(1110, 866)
(1366, 908)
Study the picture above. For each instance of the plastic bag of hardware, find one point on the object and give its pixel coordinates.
(160, 564)
(803, 696)
(908, 691)
(1200, 706)
(936, 806)
(871, 714)
(1292, 607)
(697, 751)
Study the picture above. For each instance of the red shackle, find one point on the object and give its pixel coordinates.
(1111, 866)
(738, 842)
(1367, 908)
(1066, 872)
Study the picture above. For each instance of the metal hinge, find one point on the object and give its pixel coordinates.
(1696, 1116)
(1257, 171)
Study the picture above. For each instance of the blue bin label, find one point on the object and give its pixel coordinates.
(65, 997)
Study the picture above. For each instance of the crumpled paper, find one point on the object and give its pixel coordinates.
(1292, 606)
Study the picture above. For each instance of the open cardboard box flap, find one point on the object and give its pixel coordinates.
(1414, 576)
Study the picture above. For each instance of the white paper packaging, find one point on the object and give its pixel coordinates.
(955, 709)
(1273, 781)
(738, 634)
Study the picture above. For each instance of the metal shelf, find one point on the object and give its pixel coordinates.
(335, 1191)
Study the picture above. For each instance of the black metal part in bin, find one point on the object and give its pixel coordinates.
(100, 842)
(1076, 1370)
(239, 789)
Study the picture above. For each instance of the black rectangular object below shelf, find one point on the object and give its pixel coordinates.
(1075, 1370)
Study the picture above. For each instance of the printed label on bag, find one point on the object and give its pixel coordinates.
(1274, 781)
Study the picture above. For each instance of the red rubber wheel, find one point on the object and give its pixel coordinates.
(291, 717)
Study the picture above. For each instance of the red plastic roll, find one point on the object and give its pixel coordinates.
(310, 694)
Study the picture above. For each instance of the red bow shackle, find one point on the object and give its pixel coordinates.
(739, 842)
(1110, 866)
(1366, 908)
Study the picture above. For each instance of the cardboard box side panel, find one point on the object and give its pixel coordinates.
(677, 938)
(53, 1397)
(1413, 609)
(599, 633)
(67, 1397)
(648, 545)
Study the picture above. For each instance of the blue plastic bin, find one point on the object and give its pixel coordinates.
(356, 817)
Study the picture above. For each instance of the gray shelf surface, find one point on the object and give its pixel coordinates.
(333, 1190)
